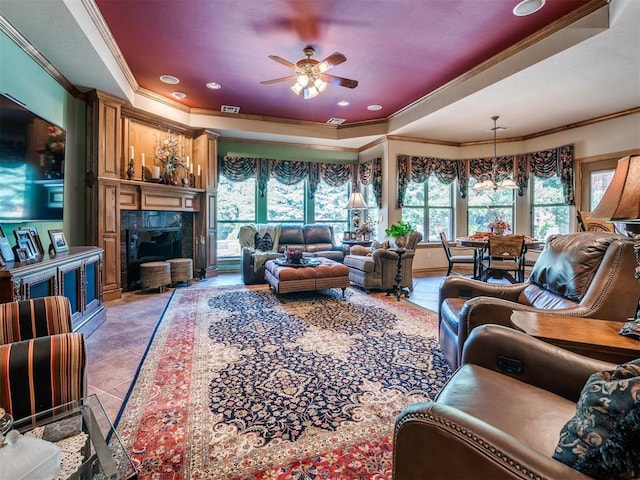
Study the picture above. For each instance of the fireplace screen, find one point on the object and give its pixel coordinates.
(150, 245)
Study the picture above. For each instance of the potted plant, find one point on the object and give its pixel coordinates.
(399, 232)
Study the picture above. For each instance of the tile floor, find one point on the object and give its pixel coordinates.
(116, 348)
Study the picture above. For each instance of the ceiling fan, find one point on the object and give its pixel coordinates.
(310, 77)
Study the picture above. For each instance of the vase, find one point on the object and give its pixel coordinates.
(498, 231)
(401, 241)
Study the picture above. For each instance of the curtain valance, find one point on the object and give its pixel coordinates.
(546, 163)
(239, 169)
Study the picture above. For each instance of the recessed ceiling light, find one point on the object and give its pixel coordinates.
(214, 86)
(527, 7)
(343, 103)
(374, 108)
(179, 95)
(170, 79)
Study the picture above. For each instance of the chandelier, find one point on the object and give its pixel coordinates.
(490, 179)
(308, 75)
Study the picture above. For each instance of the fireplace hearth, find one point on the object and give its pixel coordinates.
(151, 236)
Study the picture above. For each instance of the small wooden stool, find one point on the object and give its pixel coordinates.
(155, 275)
(181, 270)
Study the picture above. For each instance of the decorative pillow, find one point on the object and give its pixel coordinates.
(264, 243)
(375, 245)
(603, 439)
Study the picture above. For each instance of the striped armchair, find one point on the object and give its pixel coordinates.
(42, 363)
(37, 317)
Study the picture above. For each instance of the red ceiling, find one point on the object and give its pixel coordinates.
(398, 50)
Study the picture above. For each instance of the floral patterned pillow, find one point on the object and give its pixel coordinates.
(603, 439)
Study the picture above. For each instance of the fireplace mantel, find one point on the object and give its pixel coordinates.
(137, 195)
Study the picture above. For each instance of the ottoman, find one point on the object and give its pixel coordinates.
(155, 275)
(181, 270)
(325, 273)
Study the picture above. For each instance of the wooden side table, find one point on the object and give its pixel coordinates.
(399, 289)
(587, 336)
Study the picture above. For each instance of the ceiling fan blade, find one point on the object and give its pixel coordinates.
(278, 80)
(284, 62)
(332, 60)
(343, 82)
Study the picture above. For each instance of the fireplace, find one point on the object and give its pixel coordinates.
(152, 236)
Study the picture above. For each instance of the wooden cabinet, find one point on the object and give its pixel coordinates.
(76, 274)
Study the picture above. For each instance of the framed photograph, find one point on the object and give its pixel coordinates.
(6, 250)
(58, 241)
(24, 239)
(36, 239)
(22, 253)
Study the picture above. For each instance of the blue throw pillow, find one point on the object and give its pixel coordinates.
(264, 243)
(603, 439)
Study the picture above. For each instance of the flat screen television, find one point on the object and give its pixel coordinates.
(32, 154)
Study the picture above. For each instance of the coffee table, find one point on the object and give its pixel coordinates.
(100, 450)
(587, 336)
(317, 274)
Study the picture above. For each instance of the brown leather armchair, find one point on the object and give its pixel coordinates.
(377, 269)
(488, 423)
(586, 274)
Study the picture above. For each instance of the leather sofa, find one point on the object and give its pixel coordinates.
(316, 240)
(487, 423)
(586, 274)
(377, 270)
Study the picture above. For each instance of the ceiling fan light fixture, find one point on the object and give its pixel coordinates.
(302, 80)
(528, 7)
(297, 88)
(311, 92)
(323, 66)
(320, 85)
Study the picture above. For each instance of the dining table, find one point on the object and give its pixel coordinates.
(479, 241)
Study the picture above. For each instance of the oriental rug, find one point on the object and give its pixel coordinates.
(240, 383)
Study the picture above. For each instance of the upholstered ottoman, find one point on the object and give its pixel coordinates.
(181, 270)
(325, 273)
(155, 275)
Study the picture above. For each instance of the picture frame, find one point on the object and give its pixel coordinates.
(6, 250)
(36, 239)
(22, 253)
(24, 239)
(58, 241)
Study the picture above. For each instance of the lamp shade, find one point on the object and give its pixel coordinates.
(621, 201)
(356, 202)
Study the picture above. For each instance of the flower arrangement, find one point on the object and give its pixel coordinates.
(168, 155)
(55, 139)
(367, 227)
(499, 225)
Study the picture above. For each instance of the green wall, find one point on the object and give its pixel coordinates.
(23, 79)
(284, 152)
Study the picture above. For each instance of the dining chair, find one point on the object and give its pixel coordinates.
(457, 255)
(504, 256)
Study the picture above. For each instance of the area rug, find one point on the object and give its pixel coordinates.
(240, 383)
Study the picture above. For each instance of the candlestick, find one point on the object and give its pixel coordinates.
(131, 154)
(142, 156)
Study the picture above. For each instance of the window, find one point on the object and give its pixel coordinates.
(236, 207)
(549, 213)
(330, 203)
(598, 183)
(285, 203)
(485, 206)
(428, 207)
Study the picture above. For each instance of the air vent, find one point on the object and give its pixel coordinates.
(229, 109)
(336, 121)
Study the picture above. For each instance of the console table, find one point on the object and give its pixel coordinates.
(76, 274)
(587, 336)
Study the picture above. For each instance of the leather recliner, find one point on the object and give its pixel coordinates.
(586, 274)
(377, 270)
(490, 424)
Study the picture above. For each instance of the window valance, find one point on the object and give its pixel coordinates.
(239, 169)
(546, 163)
